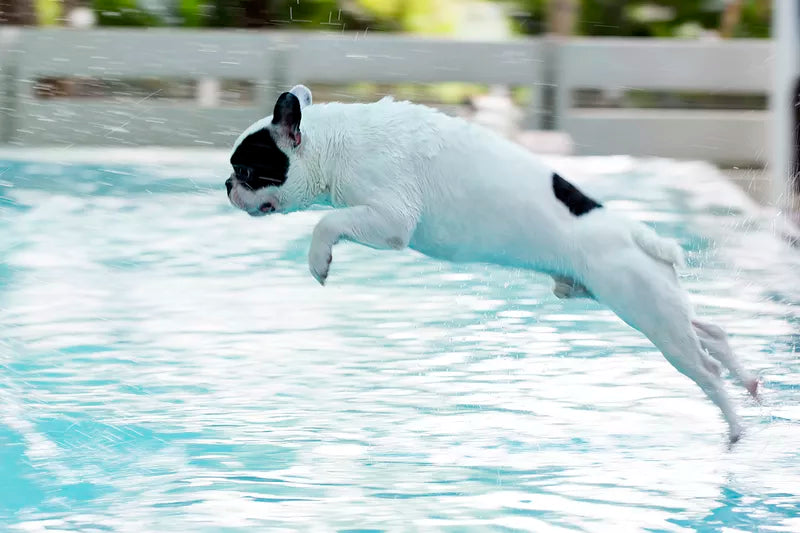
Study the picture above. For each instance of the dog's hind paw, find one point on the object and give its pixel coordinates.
(752, 387)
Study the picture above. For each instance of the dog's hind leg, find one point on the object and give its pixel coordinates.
(715, 341)
(645, 294)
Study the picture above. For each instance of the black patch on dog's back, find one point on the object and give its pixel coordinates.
(569, 195)
(258, 162)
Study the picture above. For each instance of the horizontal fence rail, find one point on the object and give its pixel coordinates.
(267, 63)
(729, 137)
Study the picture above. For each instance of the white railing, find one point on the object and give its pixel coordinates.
(127, 54)
(276, 60)
(724, 136)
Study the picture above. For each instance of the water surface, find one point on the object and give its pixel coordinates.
(168, 364)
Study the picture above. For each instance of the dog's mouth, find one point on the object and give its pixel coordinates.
(264, 209)
(244, 198)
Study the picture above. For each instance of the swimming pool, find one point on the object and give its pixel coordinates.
(167, 363)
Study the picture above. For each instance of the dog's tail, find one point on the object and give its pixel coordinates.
(657, 247)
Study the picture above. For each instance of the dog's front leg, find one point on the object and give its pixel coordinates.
(377, 228)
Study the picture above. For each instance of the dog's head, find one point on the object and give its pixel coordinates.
(262, 158)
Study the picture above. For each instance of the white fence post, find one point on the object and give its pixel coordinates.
(728, 137)
(559, 93)
(208, 92)
(8, 103)
(784, 103)
(540, 112)
(280, 70)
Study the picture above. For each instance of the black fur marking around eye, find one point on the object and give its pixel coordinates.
(569, 195)
(258, 162)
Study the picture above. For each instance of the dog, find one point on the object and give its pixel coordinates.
(401, 175)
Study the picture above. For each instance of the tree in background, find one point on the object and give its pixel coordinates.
(755, 13)
(669, 18)
(649, 18)
(20, 12)
(429, 16)
(266, 13)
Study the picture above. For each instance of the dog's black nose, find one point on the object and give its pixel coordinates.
(229, 184)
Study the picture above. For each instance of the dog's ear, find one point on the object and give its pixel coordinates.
(286, 118)
(303, 94)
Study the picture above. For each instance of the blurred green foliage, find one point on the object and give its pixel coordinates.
(596, 17)
(306, 14)
(47, 12)
(191, 11)
(617, 17)
(625, 18)
(418, 16)
(123, 13)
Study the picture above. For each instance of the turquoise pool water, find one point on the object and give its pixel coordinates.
(168, 364)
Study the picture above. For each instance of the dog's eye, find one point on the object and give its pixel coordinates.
(255, 177)
(242, 172)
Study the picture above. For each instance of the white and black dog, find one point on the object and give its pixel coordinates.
(404, 175)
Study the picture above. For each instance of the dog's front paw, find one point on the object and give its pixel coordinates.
(319, 262)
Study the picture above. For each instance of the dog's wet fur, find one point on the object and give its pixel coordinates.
(403, 175)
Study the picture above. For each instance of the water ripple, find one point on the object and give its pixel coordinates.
(168, 364)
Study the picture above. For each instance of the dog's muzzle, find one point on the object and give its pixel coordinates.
(246, 199)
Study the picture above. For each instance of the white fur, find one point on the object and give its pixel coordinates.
(662, 249)
(303, 94)
(403, 175)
